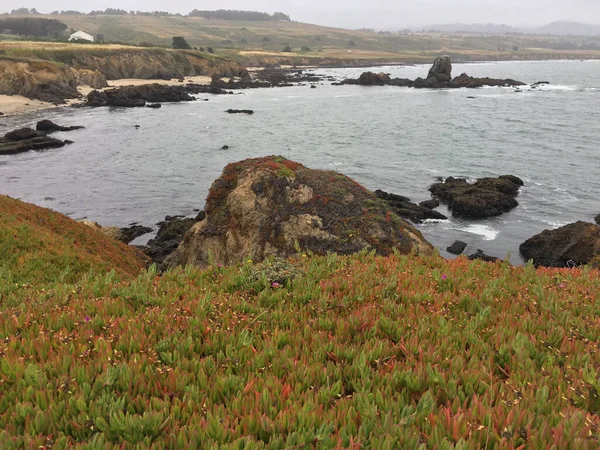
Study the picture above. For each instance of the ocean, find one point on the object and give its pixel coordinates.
(400, 140)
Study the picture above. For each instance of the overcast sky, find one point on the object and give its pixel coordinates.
(389, 14)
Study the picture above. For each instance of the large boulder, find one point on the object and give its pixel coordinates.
(487, 197)
(597, 219)
(25, 139)
(572, 245)
(47, 126)
(273, 206)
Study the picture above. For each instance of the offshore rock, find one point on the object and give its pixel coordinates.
(487, 197)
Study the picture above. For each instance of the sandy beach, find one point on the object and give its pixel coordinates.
(11, 105)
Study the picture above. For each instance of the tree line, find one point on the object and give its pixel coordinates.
(33, 26)
(222, 14)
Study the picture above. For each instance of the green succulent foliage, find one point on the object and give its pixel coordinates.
(344, 352)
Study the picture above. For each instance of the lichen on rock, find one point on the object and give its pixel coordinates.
(271, 206)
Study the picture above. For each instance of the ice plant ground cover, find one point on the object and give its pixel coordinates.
(338, 352)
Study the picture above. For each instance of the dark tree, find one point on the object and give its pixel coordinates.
(180, 43)
(287, 49)
(305, 48)
(31, 26)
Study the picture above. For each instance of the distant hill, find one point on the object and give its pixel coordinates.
(562, 28)
(481, 28)
(570, 28)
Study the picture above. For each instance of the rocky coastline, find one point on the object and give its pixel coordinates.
(322, 211)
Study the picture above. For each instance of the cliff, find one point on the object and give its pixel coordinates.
(53, 73)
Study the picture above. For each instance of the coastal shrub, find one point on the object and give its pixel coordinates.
(356, 352)
(39, 246)
(287, 49)
(179, 42)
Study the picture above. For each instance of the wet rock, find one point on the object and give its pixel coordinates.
(68, 142)
(597, 219)
(270, 206)
(26, 139)
(479, 254)
(465, 81)
(457, 248)
(169, 236)
(47, 126)
(572, 245)
(406, 209)
(225, 147)
(313, 87)
(154, 105)
(240, 111)
(487, 197)
(132, 232)
(137, 96)
(430, 204)
(539, 83)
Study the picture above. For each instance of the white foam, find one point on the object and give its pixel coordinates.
(426, 221)
(488, 233)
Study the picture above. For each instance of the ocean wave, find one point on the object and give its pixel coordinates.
(487, 232)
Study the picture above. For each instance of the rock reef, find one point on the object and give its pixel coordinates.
(439, 77)
(25, 139)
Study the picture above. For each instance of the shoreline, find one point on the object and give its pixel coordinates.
(17, 105)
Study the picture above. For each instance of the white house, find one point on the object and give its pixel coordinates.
(81, 36)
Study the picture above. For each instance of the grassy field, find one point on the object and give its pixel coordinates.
(314, 352)
(314, 43)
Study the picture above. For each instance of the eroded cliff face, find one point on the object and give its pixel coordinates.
(57, 80)
(154, 64)
(46, 81)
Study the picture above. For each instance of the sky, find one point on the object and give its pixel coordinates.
(378, 14)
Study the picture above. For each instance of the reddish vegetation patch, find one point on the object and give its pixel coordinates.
(39, 245)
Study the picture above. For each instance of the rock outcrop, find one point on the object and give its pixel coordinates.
(274, 206)
(138, 96)
(457, 248)
(487, 197)
(406, 209)
(572, 245)
(465, 81)
(25, 139)
(597, 219)
(47, 126)
(438, 77)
